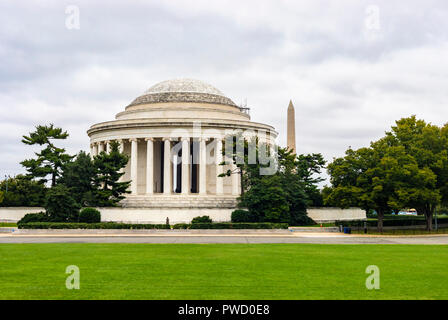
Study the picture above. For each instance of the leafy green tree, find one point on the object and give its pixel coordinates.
(428, 145)
(406, 168)
(79, 176)
(2, 196)
(51, 159)
(22, 191)
(108, 189)
(60, 206)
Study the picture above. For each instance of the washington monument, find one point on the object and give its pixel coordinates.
(291, 128)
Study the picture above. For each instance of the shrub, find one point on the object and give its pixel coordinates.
(82, 225)
(34, 217)
(60, 205)
(89, 215)
(181, 226)
(240, 215)
(203, 219)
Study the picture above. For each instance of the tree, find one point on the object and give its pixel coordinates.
(79, 176)
(60, 205)
(22, 191)
(267, 200)
(51, 159)
(108, 189)
(2, 196)
(298, 182)
(281, 195)
(428, 145)
(406, 168)
(309, 168)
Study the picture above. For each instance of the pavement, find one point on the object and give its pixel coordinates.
(204, 237)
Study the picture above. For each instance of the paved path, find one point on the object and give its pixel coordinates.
(319, 238)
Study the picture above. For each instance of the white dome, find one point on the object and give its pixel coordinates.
(183, 85)
(183, 90)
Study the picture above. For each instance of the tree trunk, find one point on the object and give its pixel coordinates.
(428, 216)
(380, 220)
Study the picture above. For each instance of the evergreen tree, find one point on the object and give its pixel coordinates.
(51, 159)
(282, 195)
(79, 176)
(108, 190)
(60, 205)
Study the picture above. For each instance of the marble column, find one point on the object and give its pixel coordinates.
(202, 166)
(219, 168)
(107, 146)
(121, 150)
(167, 166)
(100, 147)
(235, 180)
(121, 146)
(134, 167)
(185, 165)
(94, 150)
(149, 166)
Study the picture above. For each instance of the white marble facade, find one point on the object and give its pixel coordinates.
(174, 134)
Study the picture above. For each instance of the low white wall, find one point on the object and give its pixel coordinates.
(336, 214)
(14, 214)
(134, 215)
(180, 215)
(159, 215)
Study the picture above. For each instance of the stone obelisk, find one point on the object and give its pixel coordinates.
(291, 128)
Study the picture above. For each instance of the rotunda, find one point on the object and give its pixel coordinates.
(173, 134)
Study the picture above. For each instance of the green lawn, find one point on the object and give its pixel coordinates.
(185, 271)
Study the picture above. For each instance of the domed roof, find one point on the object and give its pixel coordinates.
(183, 90)
(184, 85)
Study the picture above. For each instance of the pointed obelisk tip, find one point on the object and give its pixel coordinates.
(291, 128)
(290, 104)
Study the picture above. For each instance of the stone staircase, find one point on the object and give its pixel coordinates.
(179, 201)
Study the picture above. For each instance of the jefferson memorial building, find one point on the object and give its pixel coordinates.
(174, 134)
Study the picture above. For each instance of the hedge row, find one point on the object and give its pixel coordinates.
(80, 225)
(404, 217)
(391, 222)
(232, 225)
(113, 225)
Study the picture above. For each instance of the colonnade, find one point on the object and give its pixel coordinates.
(186, 180)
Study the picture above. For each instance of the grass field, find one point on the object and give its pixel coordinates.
(259, 271)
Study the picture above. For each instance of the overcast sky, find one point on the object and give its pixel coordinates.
(351, 68)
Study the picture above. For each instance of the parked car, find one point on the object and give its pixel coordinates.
(411, 212)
